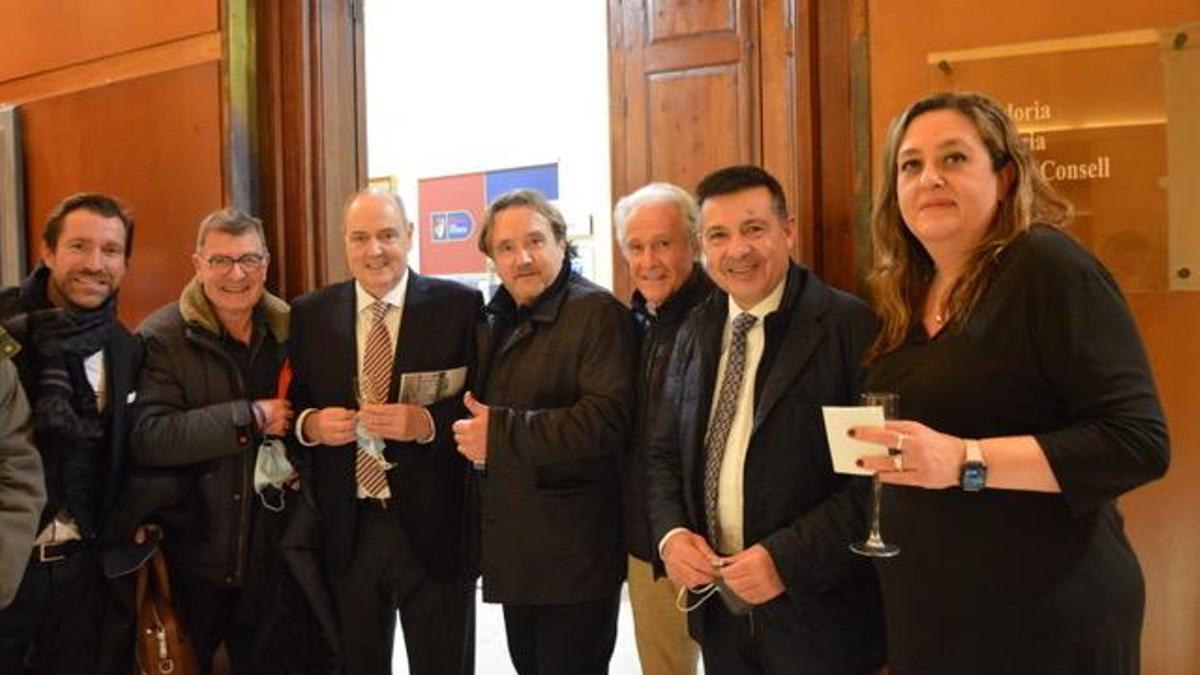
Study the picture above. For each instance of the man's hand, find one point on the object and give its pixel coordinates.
(277, 415)
(752, 575)
(396, 421)
(471, 433)
(329, 426)
(689, 560)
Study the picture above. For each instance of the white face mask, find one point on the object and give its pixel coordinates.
(272, 468)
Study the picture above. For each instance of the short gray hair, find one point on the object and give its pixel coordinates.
(232, 222)
(659, 193)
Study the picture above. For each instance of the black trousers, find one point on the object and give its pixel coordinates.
(208, 615)
(772, 639)
(575, 639)
(384, 577)
(66, 619)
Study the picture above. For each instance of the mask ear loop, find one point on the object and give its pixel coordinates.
(705, 592)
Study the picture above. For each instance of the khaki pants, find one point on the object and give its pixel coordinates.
(664, 647)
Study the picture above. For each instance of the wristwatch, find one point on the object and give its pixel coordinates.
(973, 477)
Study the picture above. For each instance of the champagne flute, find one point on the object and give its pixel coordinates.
(365, 392)
(874, 546)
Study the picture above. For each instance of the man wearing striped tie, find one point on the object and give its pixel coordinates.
(371, 358)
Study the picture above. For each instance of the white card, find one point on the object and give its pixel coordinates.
(843, 450)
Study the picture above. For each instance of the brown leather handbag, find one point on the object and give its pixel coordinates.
(163, 647)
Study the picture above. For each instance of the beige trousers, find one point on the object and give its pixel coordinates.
(663, 644)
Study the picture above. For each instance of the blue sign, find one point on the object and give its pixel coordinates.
(543, 178)
(451, 225)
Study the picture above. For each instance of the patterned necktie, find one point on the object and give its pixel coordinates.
(722, 420)
(373, 387)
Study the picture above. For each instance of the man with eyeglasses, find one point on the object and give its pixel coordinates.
(77, 367)
(208, 405)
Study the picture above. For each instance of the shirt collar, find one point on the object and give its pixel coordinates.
(765, 306)
(394, 297)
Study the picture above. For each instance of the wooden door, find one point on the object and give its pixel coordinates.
(684, 93)
(700, 84)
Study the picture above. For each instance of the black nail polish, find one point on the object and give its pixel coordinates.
(850, 433)
(859, 463)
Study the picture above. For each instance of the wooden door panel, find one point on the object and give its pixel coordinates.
(679, 18)
(686, 114)
(684, 91)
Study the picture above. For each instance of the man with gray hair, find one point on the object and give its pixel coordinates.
(657, 228)
(208, 398)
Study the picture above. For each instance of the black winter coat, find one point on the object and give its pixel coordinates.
(656, 340)
(559, 382)
(193, 414)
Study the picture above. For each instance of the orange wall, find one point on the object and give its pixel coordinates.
(123, 97)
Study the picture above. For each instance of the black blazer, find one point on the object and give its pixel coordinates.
(803, 513)
(436, 333)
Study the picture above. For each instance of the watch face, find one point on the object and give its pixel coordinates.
(974, 476)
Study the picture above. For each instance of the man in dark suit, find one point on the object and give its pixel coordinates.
(380, 363)
(556, 381)
(78, 368)
(742, 496)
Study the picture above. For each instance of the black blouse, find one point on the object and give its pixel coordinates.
(1006, 581)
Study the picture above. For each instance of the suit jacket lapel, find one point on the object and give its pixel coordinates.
(342, 356)
(120, 369)
(709, 356)
(804, 332)
(414, 323)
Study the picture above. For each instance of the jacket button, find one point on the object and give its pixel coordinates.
(229, 580)
(243, 440)
(237, 496)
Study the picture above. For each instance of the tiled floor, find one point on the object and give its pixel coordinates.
(491, 652)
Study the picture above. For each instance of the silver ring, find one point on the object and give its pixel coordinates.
(898, 462)
(900, 438)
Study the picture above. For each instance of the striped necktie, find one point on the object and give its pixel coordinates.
(369, 470)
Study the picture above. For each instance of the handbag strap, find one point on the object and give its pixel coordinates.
(162, 582)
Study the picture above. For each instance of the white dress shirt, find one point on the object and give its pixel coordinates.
(731, 480)
(730, 494)
(363, 302)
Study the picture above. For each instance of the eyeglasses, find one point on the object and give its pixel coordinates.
(249, 262)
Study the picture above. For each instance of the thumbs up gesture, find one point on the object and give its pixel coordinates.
(471, 433)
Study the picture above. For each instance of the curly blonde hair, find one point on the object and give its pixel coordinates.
(902, 270)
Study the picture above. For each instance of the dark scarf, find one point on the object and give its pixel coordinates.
(61, 338)
(68, 427)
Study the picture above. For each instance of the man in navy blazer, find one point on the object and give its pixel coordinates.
(741, 493)
(402, 549)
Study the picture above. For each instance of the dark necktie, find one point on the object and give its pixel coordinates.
(722, 420)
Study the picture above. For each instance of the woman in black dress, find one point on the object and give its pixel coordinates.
(1027, 405)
